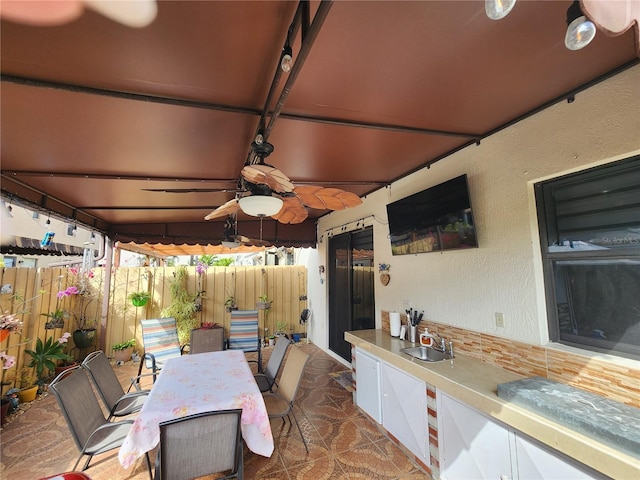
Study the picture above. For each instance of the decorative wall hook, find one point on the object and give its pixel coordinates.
(385, 278)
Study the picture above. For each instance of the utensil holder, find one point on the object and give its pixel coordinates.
(413, 333)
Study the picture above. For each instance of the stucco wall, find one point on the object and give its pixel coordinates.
(466, 287)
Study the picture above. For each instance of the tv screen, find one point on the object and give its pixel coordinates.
(438, 218)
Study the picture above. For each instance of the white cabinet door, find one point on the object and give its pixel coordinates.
(537, 462)
(404, 410)
(368, 384)
(471, 445)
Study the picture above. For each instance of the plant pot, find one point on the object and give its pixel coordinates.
(123, 355)
(54, 324)
(63, 368)
(84, 338)
(28, 394)
(3, 335)
(139, 302)
(4, 410)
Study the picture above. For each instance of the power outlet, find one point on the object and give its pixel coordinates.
(406, 304)
(499, 319)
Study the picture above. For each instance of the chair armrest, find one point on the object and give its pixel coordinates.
(135, 381)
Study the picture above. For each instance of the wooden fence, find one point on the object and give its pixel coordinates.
(33, 293)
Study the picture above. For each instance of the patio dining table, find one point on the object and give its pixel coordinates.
(201, 383)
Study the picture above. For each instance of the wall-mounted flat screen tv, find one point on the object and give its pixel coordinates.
(438, 218)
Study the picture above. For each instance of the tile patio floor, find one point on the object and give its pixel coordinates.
(343, 443)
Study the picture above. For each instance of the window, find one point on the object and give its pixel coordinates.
(590, 235)
(9, 262)
(71, 230)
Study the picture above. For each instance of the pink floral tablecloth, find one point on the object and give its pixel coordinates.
(201, 383)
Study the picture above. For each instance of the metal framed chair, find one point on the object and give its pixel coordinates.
(267, 379)
(92, 433)
(280, 403)
(118, 402)
(160, 338)
(206, 340)
(243, 333)
(199, 445)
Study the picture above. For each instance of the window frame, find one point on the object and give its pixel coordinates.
(546, 215)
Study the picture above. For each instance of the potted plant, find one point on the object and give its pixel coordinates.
(123, 350)
(281, 328)
(139, 299)
(45, 356)
(263, 302)
(183, 306)
(82, 294)
(56, 319)
(25, 389)
(230, 303)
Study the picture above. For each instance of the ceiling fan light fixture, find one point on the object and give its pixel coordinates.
(286, 60)
(230, 244)
(580, 30)
(260, 205)
(498, 9)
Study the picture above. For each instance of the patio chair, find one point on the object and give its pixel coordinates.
(92, 433)
(243, 334)
(267, 379)
(206, 340)
(118, 402)
(280, 404)
(160, 338)
(199, 445)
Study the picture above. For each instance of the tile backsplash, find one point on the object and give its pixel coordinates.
(598, 376)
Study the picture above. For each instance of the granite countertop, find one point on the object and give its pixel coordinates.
(476, 383)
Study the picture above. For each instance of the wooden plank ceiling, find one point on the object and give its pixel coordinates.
(141, 132)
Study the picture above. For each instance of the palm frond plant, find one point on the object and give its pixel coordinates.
(47, 354)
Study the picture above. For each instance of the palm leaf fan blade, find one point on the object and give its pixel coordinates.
(229, 208)
(349, 199)
(292, 211)
(269, 176)
(307, 195)
(327, 198)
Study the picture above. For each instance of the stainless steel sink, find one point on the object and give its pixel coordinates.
(426, 354)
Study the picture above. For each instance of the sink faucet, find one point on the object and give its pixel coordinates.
(443, 345)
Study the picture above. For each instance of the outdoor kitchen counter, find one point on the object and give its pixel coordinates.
(476, 383)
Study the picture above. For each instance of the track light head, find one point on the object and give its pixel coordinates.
(286, 60)
(498, 9)
(580, 30)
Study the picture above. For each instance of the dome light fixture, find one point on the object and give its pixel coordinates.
(498, 9)
(580, 30)
(260, 205)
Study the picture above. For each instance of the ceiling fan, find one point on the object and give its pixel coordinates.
(231, 238)
(262, 186)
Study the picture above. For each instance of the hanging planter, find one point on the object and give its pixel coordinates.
(84, 338)
(139, 299)
(56, 319)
